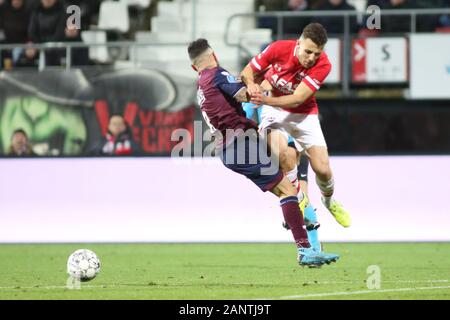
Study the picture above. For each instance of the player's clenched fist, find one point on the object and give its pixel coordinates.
(253, 88)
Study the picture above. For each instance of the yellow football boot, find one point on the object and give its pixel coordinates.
(338, 212)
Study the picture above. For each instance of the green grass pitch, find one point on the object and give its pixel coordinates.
(227, 271)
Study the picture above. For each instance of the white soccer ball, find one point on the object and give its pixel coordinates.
(83, 265)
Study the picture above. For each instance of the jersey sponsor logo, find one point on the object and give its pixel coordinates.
(283, 85)
(230, 78)
(277, 67)
(300, 75)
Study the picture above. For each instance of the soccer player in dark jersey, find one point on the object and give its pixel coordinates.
(240, 147)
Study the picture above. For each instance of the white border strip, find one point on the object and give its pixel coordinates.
(256, 64)
(311, 81)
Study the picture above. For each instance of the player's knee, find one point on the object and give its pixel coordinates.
(321, 166)
(289, 192)
(324, 171)
(286, 163)
(285, 189)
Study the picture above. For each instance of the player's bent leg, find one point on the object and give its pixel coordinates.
(319, 159)
(274, 181)
(291, 161)
(289, 167)
(311, 227)
(278, 145)
(272, 126)
(306, 208)
(309, 212)
(311, 222)
(287, 156)
(307, 255)
(292, 176)
(302, 168)
(291, 211)
(320, 163)
(302, 176)
(249, 109)
(271, 118)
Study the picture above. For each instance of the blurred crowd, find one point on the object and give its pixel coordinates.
(41, 21)
(335, 25)
(117, 141)
(391, 130)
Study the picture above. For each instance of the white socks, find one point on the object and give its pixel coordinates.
(292, 176)
(327, 189)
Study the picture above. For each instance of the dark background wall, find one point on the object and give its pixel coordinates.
(386, 126)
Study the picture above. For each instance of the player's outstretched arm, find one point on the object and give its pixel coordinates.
(242, 95)
(300, 95)
(248, 77)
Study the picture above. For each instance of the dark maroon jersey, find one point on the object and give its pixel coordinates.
(216, 91)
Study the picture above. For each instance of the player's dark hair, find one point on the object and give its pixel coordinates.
(127, 126)
(20, 131)
(316, 33)
(197, 47)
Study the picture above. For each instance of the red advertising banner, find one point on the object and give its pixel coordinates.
(67, 113)
(380, 60)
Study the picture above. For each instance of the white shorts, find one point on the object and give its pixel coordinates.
(305, 129)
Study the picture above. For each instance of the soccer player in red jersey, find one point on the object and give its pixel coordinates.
(293, 72)
(241, 148)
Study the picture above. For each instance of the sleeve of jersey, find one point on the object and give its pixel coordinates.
(227, 83)
(260, 62)
(315, 79)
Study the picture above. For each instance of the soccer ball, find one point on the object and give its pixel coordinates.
(83, 265)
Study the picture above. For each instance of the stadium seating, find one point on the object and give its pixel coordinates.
(114, 16)
(98, 53)
(137, 3)
(253, 39)
(176, 22)
(168, 24)
(360, 5)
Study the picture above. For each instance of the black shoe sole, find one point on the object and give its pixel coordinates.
(318, 265)
(308, 227)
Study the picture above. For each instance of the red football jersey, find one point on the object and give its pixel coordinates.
(281, 67)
